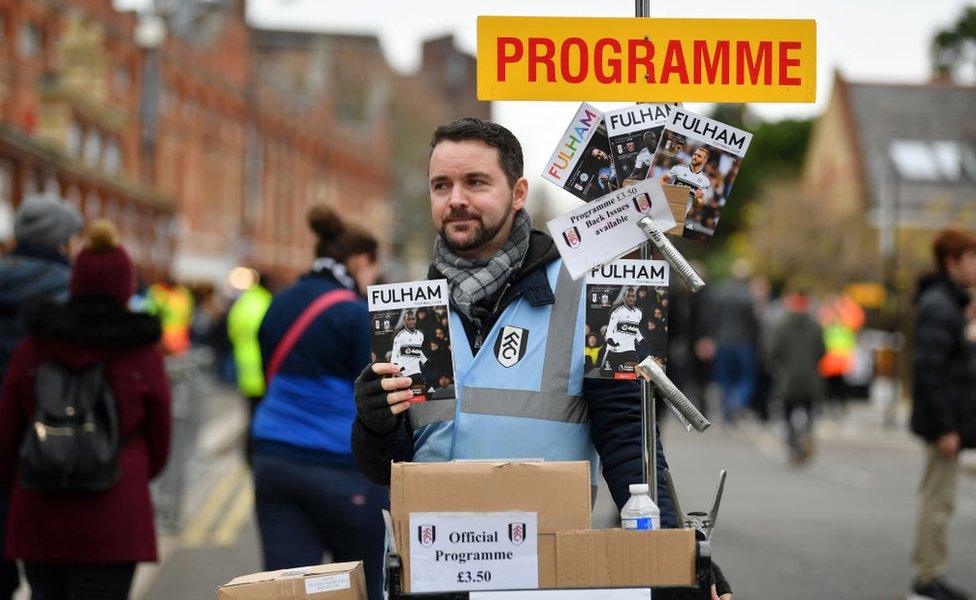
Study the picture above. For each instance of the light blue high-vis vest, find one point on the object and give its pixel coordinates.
(534, 407)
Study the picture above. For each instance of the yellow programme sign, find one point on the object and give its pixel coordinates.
(647, 60)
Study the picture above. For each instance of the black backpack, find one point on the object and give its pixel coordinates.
(73, 440)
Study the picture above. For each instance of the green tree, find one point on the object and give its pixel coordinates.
(954, 48)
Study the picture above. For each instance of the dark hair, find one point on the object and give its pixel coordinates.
(951, 243)
(492, 134)
(338, 240)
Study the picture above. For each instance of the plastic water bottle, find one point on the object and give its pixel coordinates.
(640, 512)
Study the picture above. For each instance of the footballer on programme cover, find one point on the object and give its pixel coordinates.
(633, 134)
(703, 155)
(409, 326)
(626, 317)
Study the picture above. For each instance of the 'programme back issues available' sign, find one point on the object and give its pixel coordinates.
(647, 60)
(452, 551)
(606, 228)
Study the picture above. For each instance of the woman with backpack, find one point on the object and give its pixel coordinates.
(309, 495)
(84, 426)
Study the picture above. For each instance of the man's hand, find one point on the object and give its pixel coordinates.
(948, 444)
(715, 595)
(379, 399)
(699, 196)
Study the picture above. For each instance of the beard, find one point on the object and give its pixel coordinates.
(477, 238)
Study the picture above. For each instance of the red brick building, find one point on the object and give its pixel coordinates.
(69, 81)
(208, 140)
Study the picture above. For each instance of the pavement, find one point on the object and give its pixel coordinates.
(841, 527)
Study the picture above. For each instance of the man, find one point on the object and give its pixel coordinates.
(243, 322)
(408, 351)
(46, 230)
(623, 335)
(502, 274)
(944, 401)
(691, 176)
(733, 332)
(795, 350)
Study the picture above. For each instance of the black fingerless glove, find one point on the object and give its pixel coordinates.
(372, 409)
(721, 583)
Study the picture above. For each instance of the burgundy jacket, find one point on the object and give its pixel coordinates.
(89, 527)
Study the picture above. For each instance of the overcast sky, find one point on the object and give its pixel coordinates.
(874, 40)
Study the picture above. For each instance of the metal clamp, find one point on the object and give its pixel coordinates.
(671, 254)
(687, 414)
(700, 521)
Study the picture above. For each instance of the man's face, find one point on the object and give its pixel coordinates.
(471, 201)
(963, 269)
(410, 321)
(600, 155)
(630, 298)
(631, 147)
(698, 158)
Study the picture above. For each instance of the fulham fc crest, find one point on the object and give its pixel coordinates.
(516, 533)
(642, 203)
(426, 535)
(511, 344)
(572, 237)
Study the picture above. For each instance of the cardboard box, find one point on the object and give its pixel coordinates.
(559, 492)
(622, 558)
(677, 196)
(340, 581)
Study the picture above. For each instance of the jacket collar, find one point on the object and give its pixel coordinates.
(93, 322)
(530, 280)
(40, 252)
(329, 267)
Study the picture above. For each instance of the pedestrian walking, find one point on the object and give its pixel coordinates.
(310, 497)
(45, 232)
(243, 323)
(733, 328)
(943, 402)
(503, 273)
(88, 372)
(796, 348)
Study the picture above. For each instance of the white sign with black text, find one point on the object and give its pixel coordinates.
(452, 551)
(605, 229)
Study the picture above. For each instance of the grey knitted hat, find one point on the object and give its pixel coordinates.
(46, 220)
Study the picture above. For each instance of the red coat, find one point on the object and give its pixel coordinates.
(90, 527)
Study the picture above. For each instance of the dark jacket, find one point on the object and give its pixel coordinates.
(308, 407)
(89, 527)
(730, 314)
(614, 406)
(796, 349)
(28, 274)
(943, 379)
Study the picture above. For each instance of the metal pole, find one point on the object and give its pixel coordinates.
(642, 8)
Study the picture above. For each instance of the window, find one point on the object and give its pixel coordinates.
(29, 40)
(933, 160)
(93, 148)
(112, 161)
(75, 135)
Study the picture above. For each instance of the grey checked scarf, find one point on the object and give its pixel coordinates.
(471, 281)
